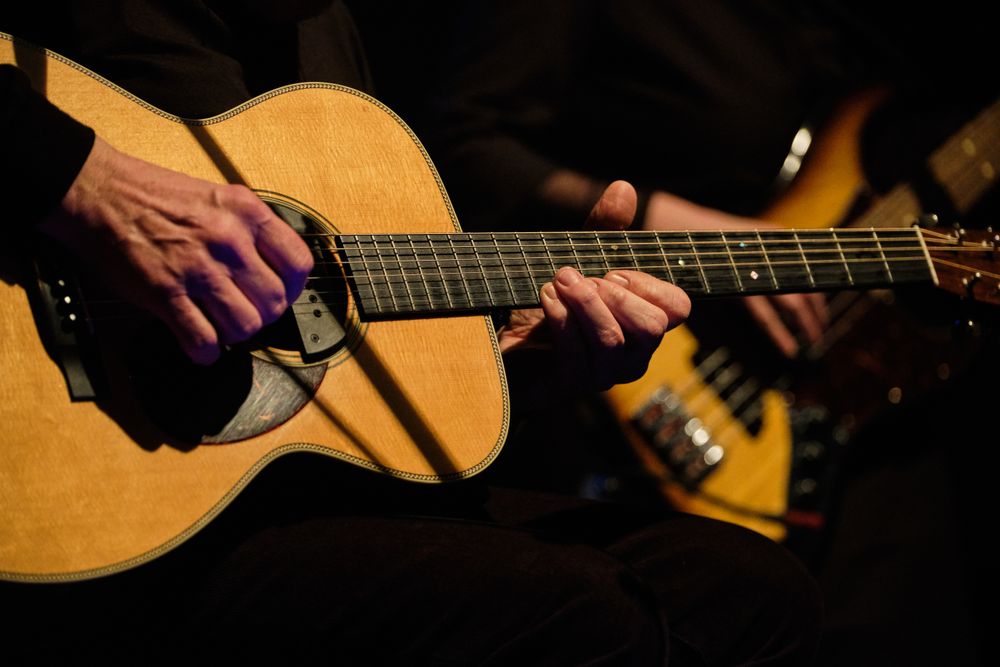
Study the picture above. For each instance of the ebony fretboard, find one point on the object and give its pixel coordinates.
(406, 275)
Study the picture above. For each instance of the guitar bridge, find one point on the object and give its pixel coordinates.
(680, 440)
(64, 324)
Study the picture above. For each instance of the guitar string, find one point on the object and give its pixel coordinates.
(476, 266)
(431, 253)
(457, 272)
(464, 272)
(304, 307)
(434, 260)
(476, 293)
(660, 239)
(613, 240)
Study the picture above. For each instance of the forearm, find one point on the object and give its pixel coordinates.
(667, 211)
(44, 150)
(576, 193)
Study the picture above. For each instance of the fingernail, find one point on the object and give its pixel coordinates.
(568, 277)
(617, 278)
(549, 292)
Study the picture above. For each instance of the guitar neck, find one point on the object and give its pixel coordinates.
(412, 275)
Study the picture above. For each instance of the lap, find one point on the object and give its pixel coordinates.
(315, 559)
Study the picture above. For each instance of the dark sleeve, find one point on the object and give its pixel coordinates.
(500, 90)
(44, 149)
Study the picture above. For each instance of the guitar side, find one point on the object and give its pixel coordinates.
(424, 400)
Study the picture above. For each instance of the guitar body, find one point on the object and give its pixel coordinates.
(91, 487)
(875, 356)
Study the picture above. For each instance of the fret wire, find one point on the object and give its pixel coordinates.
(399, 260)
(441, 272)
(348, 252)
(767, 260)
(631, 252)
(524, 258)
(805, 262)
(729, 251)
(576, 256)
(742, 262)
(534, 301)
(740, 254)
(651, 236)
(392, 296)
(604, 255)
(897, 249)
(850, 277)
(701, 269)
(914, 259)
(482, 269)
(881, 252)
(369, 278)
(657, 239)
(548, 254)
(901, 239)
(510, 284)
(420, 268)
(666, 262)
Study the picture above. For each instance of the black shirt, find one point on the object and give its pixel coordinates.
(224, 51)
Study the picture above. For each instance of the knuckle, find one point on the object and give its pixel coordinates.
(611, 339)
(274, 307)
(655, 325)
(246, 326)
(236, 195)
(303, 261)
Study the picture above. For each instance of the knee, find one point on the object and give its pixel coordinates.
(596, 612)
(782, 603)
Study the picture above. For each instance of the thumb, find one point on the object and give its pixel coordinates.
(614, 210)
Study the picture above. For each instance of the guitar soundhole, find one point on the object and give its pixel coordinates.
(314, 327)
(257, 385)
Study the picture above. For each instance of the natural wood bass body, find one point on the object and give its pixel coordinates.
(83, 494)
(875, 355)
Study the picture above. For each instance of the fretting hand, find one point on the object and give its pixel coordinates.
(603, 331)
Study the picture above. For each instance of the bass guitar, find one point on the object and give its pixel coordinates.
(730, 443)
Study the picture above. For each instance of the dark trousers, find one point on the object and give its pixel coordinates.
(318, 562)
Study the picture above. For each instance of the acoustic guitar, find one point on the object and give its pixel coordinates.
(724, 440)
(114, 450)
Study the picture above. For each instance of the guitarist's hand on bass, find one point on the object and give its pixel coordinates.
(785, 318)
(212, 261)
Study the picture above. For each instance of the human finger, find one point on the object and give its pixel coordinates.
(642, 322)
(817, 301)
(193, 331)
(603, 335)
(235, 318)
(260, 284)
(669, 298)
(802, 313)
(615, 209)
(567, 340)
(770, 321)
(279, 245)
